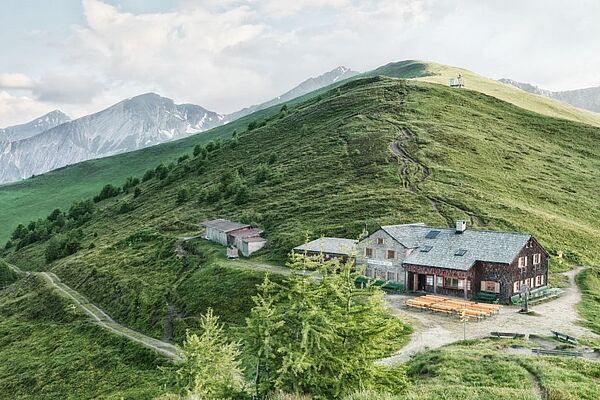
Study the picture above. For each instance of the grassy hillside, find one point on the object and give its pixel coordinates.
(553, 108)
(324, 167)
(49, 351)
(499, 370)
(36, 197)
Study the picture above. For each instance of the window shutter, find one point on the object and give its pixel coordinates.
(497, 287)
(483, 286)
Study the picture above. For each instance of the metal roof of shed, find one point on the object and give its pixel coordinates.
(330, 245)
(224, 225)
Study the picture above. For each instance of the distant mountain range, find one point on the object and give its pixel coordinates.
(53, 140)
(588, 98)
(135, 123)
(32, 128)
(307, 86)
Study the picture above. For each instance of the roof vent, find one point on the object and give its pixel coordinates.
(461, 226)
(460, 252)
(425, 249)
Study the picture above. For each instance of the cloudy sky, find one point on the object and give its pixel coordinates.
(83, 55)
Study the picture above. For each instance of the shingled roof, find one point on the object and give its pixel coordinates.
(329, 245)
(444, 248)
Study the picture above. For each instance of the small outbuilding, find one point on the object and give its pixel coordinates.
(330, 247)
(242, 237)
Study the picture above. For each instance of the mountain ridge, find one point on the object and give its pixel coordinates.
(130, 124)
(337, 74)
(585, 98)
(34, 127)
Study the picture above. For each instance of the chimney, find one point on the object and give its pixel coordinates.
(461, 226)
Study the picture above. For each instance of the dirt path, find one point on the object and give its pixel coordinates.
(433, 330)
(405, 159)
(99, 317)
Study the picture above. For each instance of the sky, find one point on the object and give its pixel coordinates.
(81, 56)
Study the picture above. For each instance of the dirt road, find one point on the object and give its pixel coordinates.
(99, 317)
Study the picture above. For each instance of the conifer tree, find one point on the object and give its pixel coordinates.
(210, 368)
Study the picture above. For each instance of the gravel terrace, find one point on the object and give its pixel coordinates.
(433, 330)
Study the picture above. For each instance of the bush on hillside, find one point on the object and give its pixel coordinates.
(107, 192)
(81, 211)
(130, 183)
(183, 195)
(61, 246)
(148, 175)
(161, 171)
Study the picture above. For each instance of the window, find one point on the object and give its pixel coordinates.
(432, 234)
(369, 272)
(380, 241)
(425, 249)
(542, 277)
(429, 280)
(391, 276)
(529, 245)
(391, 254)
(490, 286)
(460, 252)
(516, 287)
(522, 262)
(537, 281)
(440, 281)
(452, 283)
(537, 258)
(468, 285)
(368, 252)
(380, 274)
(461, 284)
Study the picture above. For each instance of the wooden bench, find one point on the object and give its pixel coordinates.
(510, 335)
(565, 338)
(561, 353)
(486, 297)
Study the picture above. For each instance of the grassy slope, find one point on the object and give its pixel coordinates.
(438, 73)
(49, 351)
(36, 197)
(333, 172)
(494, 163)
(486, 369)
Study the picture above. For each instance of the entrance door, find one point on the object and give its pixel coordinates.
(422, 282)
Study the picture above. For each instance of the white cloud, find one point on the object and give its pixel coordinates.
(16, 110)
(15, 81)
(227, 54)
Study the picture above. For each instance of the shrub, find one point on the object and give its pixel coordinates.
(148, 175)
(183, 195)
(262, 173)
(252, 125)
(243, 195)
(183, 158)
(200, 151)
(81, 211)
(137, 192)
(107, 192)
(161, 172)
(130, 182)
(126, 207)
(272, 158)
